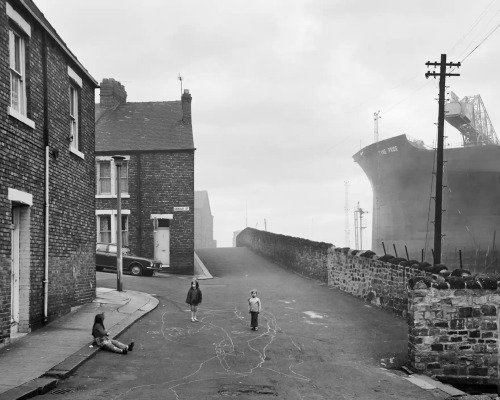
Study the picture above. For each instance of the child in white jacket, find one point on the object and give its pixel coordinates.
(254, 308)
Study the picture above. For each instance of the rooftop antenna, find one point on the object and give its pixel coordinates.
(180, 78)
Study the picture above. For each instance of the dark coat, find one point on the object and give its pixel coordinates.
(98, 330)
(194, 296)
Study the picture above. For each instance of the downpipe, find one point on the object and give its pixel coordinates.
(46, 272)
(47, 175)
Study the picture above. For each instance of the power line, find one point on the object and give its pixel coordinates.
(482, 41)
(474, 24)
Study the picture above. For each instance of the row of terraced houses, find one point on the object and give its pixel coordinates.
(58, 178)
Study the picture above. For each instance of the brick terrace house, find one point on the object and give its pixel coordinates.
(47, 173)
(203, 221)
(157, 178)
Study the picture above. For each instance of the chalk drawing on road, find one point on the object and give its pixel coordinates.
(312, 314)
(235, 353)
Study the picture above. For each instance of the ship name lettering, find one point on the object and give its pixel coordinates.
(388, 150)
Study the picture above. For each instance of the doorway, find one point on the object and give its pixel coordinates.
(162, 242)
(14, 279)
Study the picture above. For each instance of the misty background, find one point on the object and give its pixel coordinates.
(284, 92)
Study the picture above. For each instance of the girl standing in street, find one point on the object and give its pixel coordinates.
(254, 307)
(193, 298)
(103, 340)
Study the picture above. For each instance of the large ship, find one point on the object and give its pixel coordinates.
(401, 172)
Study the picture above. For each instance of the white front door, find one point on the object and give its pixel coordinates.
(162, 245)
(14, 282)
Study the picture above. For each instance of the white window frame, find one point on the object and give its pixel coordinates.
(75, 86)
(19, 28)
(113, 177)
(113, 215)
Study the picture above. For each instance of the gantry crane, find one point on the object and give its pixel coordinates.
(470, 117)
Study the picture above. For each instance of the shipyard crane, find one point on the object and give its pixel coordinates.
(469, 116)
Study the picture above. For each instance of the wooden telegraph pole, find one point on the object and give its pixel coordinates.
(440, 164)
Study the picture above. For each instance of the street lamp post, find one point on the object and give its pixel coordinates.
(119, 257)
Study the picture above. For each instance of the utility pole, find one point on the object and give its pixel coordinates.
(119, 255)
(440, 164)
(358, 227)
(346, 210)
(376, 117)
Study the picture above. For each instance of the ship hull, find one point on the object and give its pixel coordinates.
(403, 184)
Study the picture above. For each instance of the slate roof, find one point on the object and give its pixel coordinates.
(149, 126)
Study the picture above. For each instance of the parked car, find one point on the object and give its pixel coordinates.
(105, 257)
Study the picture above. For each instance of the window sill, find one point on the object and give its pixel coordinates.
(111, 196)
(77, 153)
(23, 118)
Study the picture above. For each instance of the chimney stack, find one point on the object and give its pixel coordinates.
(112, 94)
(186, 107)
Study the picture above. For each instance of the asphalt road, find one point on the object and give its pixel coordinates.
(313, 343)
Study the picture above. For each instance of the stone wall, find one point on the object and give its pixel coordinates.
(452, 317)
(381, 283)
(453, 334)
(301, 255)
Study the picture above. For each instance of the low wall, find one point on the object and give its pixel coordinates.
(452, 325)
(301, 255)
(452, 334)
(380, 283)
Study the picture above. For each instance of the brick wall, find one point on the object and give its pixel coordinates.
(167, 181)
(72, 185)
(158, 182)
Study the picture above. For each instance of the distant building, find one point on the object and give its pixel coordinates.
(157, 178)
(235, 235)
(203, 221)
(47, 170)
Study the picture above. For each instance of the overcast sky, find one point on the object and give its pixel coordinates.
(284, 91)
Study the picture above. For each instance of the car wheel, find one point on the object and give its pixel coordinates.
(148, 273)
(136, 269)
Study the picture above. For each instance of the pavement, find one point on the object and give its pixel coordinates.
(32, 364)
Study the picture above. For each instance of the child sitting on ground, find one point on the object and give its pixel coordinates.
(103, 340)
